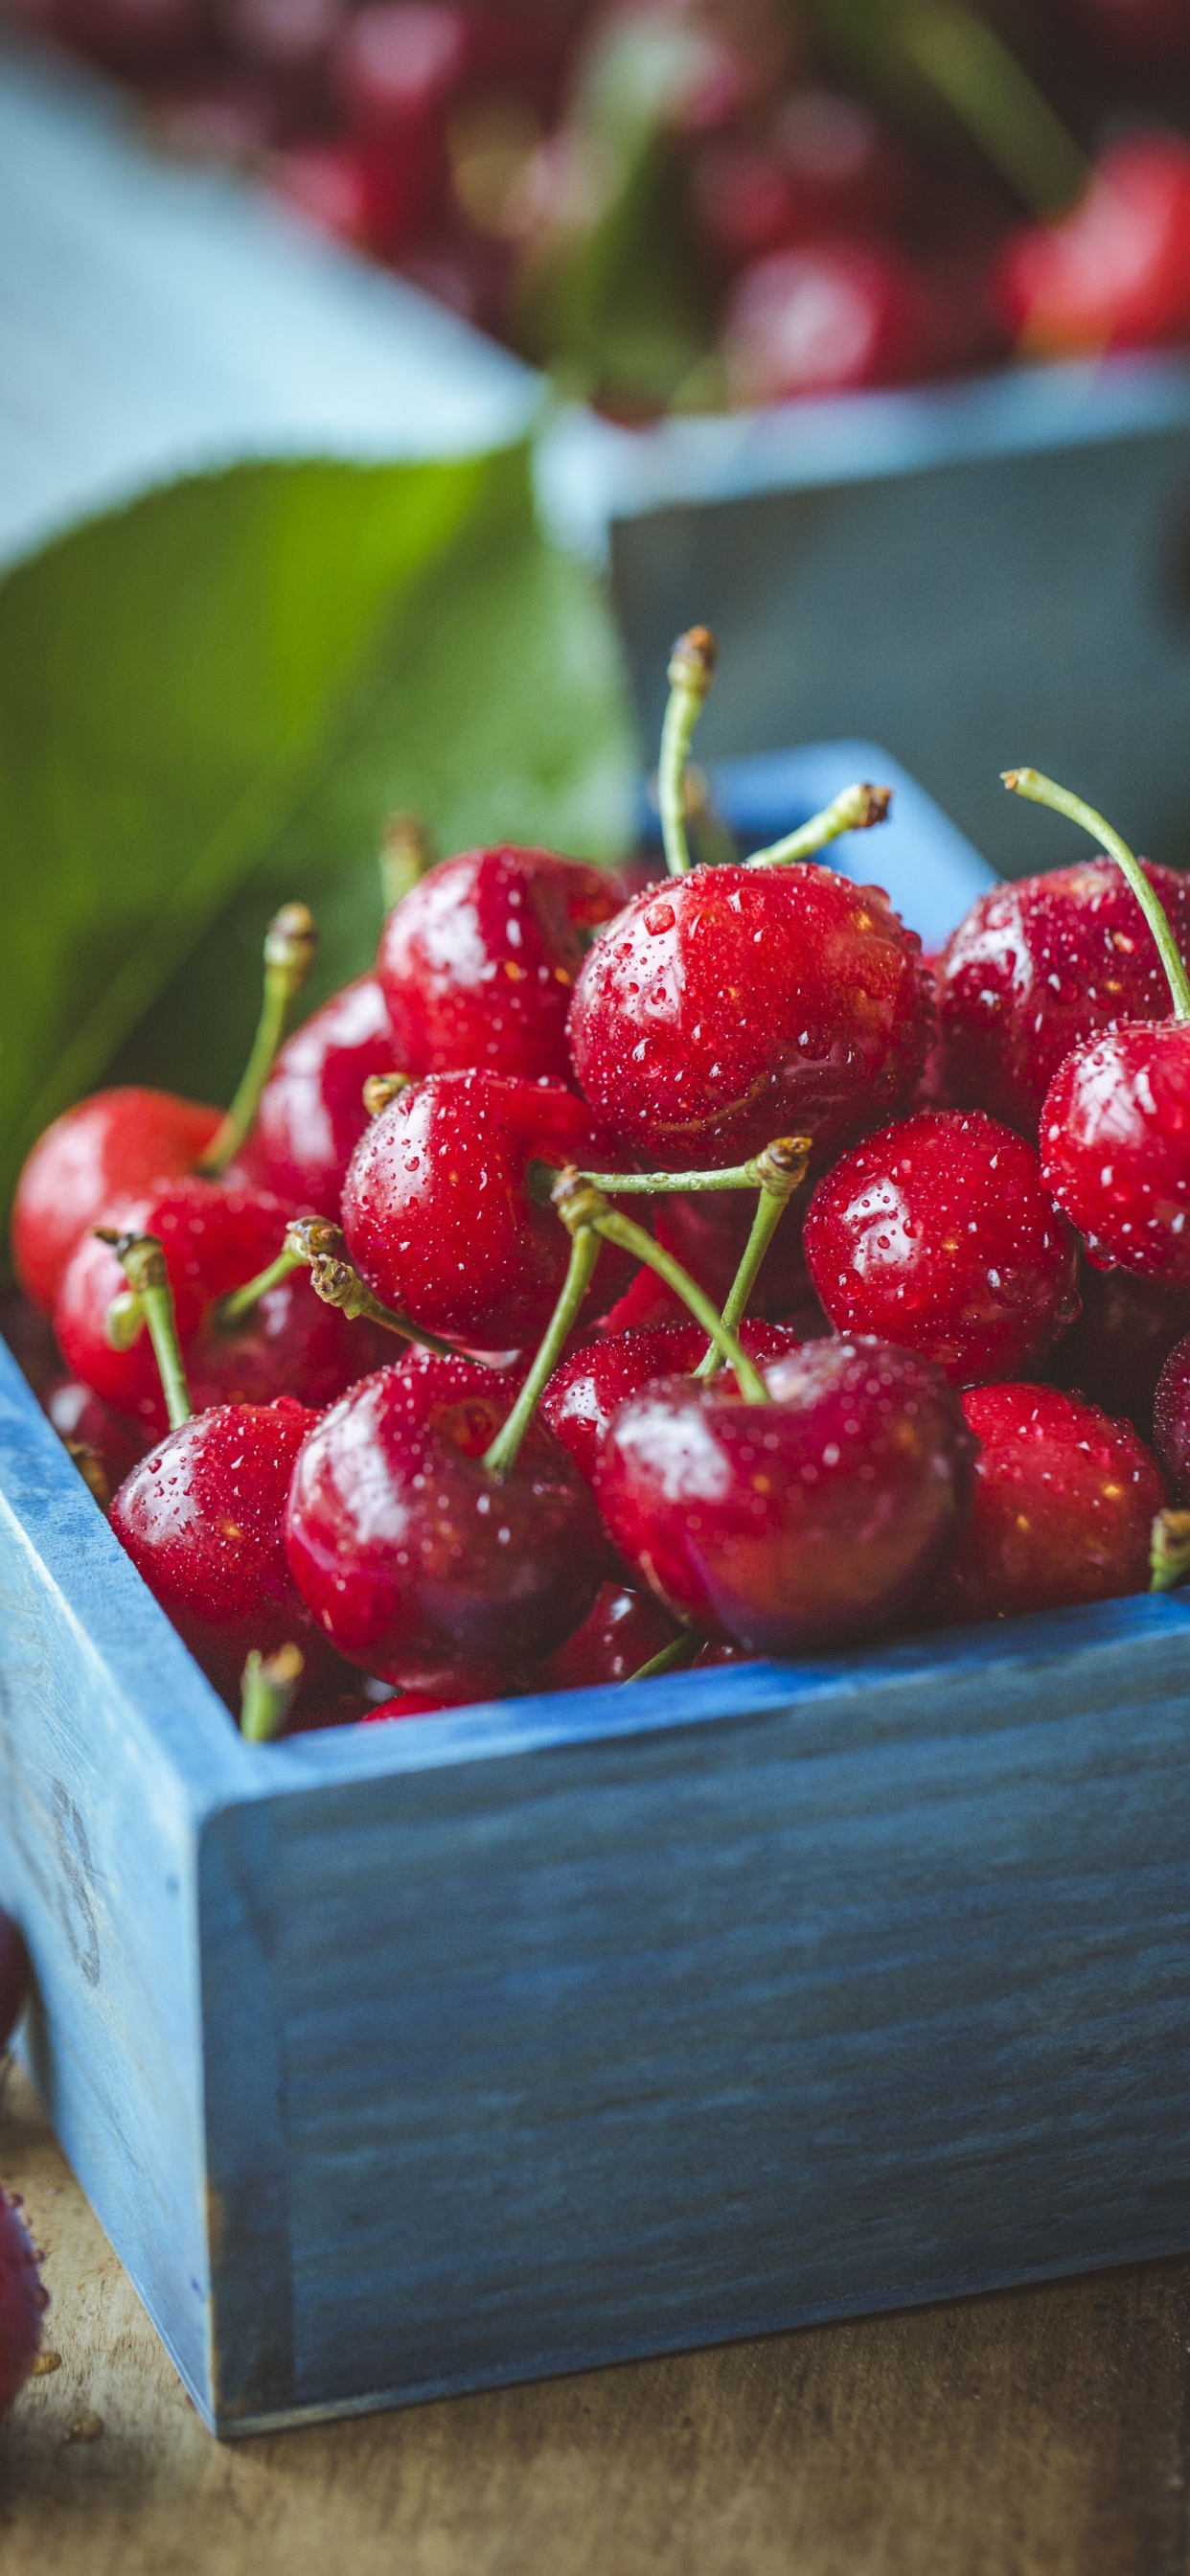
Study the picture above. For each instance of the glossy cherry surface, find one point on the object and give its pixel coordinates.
(1115, 1148)
(417, 1562)
(807, 1523)
(458, 1690)
(23, 2302)
(1114, 273)
(479, 960)
(439, 1215)
(1114, 1352)
(1036, 967)
(1063, 1508)
(940, 1235)
(14, 1977)
(587, 1388)
(623, 1629)
(203, 1519)
(737, 1004)
(215, 1238)
(114, 1146)
(311, 1114)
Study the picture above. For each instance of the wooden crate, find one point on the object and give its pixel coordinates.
(419, 2058)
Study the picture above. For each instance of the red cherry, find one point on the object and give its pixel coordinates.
(1115, 1148)
(114, 1146)
(398, 63)
(14, 1977)
(477, 962)
(78, 1414)
(1114, 1353)
(360, 189)
(23, 2302)
(460, 1690)
(623, 1630)
(1037, 966)
(419, 1563)
(1063, 1508)
(938, 1235)
(737, 1004)
(1115, 273)
(810, 1522)
(1171, 1419)
(312, 1113)
(203, 1520)
(587, 1388)
(438, 1212)
(215, 1239)
(823, 164)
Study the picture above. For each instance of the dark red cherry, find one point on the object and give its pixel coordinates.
(397, 65)
(14, 1977)
(588, 1387)
(78, 1414)
(440, 1215)
(203, 1519)
(737, 1004)
(824, 317)
(1115, 1148)
(312, 1113)
(23, 2302)
(1114, 1352)
(1036, 967)
(821, 165)
(360, 188)
(806, 1523)
(1063, 1508)
(939, 1235)
(1115, 272)
(460, 1689)
(478, 962)
(417, 1561)
(215, 1238)
(1171, 1419)
(116, 1145)
(623, 1629)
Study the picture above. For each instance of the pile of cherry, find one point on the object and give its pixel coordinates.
(617, 1279)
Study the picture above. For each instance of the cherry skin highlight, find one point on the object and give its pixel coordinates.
(203, 1519)
(623, 1629)
(478, 962)
(438, 1213)
(415, 1560)
(737, 1004)
(311, 1114)
(807, 1523)
(1171, 1419)
(939, 1235)
(117, 1145)
(587, 1388)
(23, 2302)
(1036, 967)
(14, 1977)
(1115, 1148)
(1062, 1512)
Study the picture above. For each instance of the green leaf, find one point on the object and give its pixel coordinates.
(209, 702)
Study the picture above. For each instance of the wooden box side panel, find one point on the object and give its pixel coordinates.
(628, 2045)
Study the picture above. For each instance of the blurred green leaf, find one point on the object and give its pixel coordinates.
(209, 702)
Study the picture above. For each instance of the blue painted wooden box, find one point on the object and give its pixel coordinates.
(546, 2034)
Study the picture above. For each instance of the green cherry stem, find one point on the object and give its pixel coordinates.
(267, 1692)
(691, 671)
(680, 1650)
(150, 1302)
(751, 1175)
(232, 1309)
(1169, 1552)
(290, 948)
(854, 809)
(1045, 791)
(579, 1204)
(335, 1279)
(505, 1448)
(781, 1169)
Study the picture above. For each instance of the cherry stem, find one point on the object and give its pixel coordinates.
(1045, 791)
(782, 1168)
(505, 1448)
(152, 1302)
(680, 1650)
(290, 948)
(579, 1203)
(232, 1309)
(381, 1089)
(335, 1279)
(1169, 1552)
(854, 809)
(267, 1692)
(691, 671)
(992, 94)
(752, 1175)
(406, 855)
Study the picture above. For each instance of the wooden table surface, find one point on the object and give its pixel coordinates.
(1045, 2430)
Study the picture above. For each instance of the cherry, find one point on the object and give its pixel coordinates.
(312, 1113)
(460, 1689)
(1171, 1419)
(1115, 272)
(114, 1146)
(830, 316)
(1036, 966)
(587, 1388)
(397, 65)
(216, 1238)
(1115, 1148)
(14, 1977)
(1063, 1509)
(1115, 1351)
(203, 1520)
(939, 1235)
(478, 962)
(419, 1560)
(623, 1629)
(708, 1233)
(823, 164)
(359, 188)
(83, 1420)
(23, 2302)
(438, 1210)
(808, 1522)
